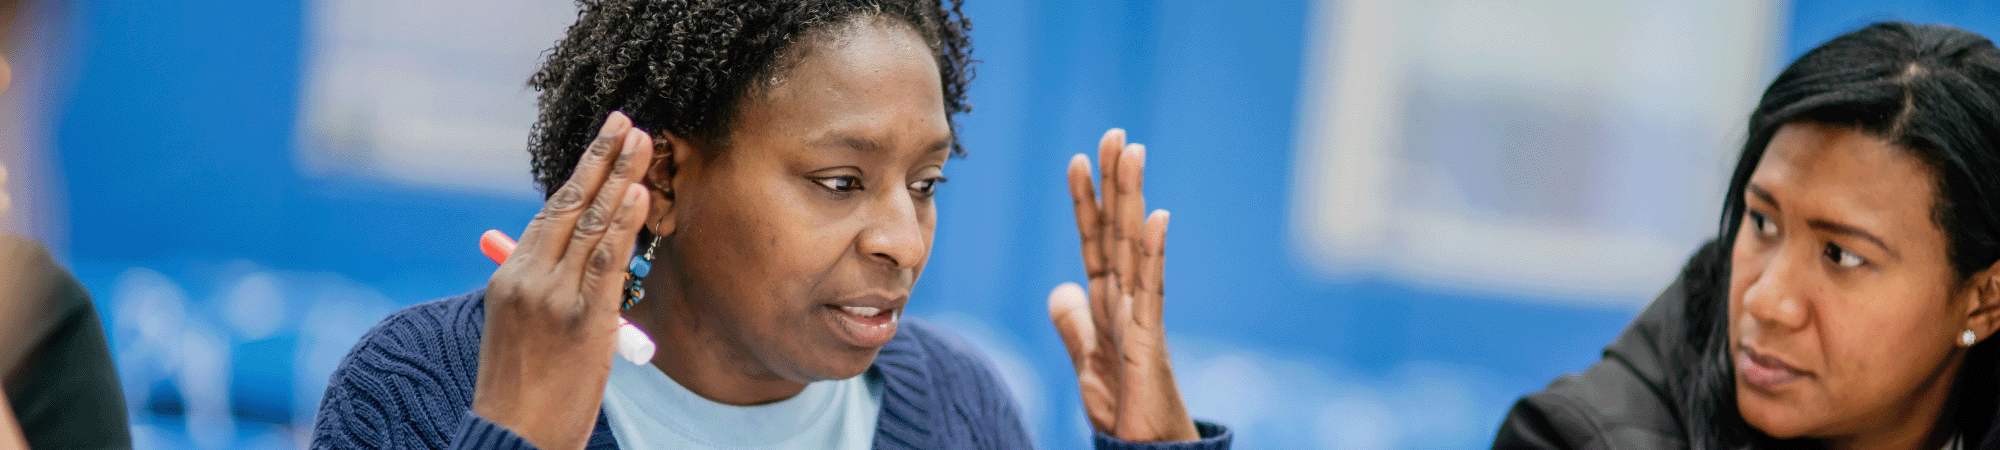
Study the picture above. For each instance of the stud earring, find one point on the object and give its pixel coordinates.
(1967, 338)
(635, 273)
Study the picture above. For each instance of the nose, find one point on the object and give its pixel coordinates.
(1779, 298)
(895, 235)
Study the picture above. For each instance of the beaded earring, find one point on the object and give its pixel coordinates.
(635, 273)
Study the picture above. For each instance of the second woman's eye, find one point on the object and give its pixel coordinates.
(1762, 224)
(1841, 256)
(842, 184)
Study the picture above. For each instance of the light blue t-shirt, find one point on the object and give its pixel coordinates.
(649, 410)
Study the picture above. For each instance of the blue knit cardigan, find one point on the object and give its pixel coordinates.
(408, 384)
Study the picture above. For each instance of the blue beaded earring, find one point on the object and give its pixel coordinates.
(635, 273)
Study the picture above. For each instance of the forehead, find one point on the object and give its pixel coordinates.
(869, 75)
(1848, 174)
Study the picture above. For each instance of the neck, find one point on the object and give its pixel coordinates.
(695, 351)
(1922, 425)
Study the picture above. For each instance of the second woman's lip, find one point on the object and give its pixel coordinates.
(1763, 371)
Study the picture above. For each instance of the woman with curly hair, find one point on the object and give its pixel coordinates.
(751, 184)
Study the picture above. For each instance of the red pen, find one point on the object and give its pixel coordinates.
(633, 344)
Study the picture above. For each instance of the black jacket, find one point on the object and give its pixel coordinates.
(60, 383)
(1627, 399)
(1638, 395)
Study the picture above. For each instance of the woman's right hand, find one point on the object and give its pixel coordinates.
(552, 307)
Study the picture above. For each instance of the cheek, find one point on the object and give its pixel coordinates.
(1745, 268)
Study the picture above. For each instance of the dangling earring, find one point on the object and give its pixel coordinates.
(635, 273)
(1967, 338)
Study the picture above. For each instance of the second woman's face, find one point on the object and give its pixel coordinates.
(1843, 309)
(801, 241)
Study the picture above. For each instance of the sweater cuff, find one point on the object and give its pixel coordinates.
(476, 432)
(1213, 437)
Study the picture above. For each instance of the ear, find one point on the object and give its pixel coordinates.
(1983, 305)
(663, 177)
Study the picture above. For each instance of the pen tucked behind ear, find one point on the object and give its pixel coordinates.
(633, 344)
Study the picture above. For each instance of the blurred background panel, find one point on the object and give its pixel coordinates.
(1391, 217)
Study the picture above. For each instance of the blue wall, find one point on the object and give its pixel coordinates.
(176, 138)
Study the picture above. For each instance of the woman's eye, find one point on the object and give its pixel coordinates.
(843, 183)
(927, 186)
(1843, 257)
(1763, 225)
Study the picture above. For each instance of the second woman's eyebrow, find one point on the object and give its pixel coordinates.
(1764, 195)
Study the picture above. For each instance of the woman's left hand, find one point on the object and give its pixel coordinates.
(1113, 332)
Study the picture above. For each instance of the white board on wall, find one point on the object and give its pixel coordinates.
(1568, 150)
(391, 92)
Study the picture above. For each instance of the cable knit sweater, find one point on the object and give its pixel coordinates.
(408, 384)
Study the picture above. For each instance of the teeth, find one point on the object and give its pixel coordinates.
(863, 311)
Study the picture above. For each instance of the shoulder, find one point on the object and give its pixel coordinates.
(409, 379)
(920, 342)
(932, 355)
(67, 395)
(438, 334)
(1628, 399)
(939, 389)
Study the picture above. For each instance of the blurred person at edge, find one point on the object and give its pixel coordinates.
(1851, 296)
(780, 159)
(60, 388)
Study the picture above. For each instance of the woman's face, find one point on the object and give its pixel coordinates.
(800, 242)
(1843, 308)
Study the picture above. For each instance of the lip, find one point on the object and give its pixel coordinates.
(866, 332)
(1765, 371)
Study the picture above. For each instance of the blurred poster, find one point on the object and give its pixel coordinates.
(424, 93)
(1569, 150)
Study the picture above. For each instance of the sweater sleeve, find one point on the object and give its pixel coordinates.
(476, 432)
(1213, 437)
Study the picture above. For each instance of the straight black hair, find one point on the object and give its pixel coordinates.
(1932, 90)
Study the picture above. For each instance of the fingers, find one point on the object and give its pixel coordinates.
(628, 160)
(1089, 220)
(603, 285)
(1108, 149)
(599, 237)
(1149, 302)
(1128, 218)
(548, 234)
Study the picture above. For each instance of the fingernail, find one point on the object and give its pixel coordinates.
(610, 123)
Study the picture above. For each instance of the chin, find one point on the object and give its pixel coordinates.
(1774, 418)
(839, 364)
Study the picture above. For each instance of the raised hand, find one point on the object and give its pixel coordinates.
(1113, 332)
(552, 307)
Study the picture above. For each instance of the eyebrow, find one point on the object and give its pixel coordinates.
(1851, 231)
(1762, 194)
(1828, 226)
(866, 145)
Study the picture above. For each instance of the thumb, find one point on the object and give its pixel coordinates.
(1069, 308)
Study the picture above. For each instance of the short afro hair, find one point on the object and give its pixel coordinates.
(683, 66)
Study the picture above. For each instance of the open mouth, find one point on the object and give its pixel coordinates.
(864, 326)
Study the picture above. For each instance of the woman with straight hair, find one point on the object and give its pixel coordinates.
(1850, 298)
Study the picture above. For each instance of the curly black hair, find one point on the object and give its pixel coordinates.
(684, 66)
